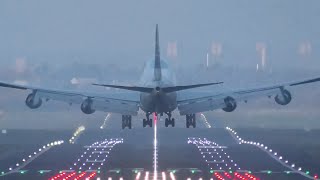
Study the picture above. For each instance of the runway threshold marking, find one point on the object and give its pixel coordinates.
(89, 164)
(271, 153)
(214, 155)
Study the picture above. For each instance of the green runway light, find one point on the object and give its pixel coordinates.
(249, 172)
(79, 172)
(98, 172)
(2, 173)
(230, 172)
(41, 172)
(118, 171)
(288, 172)
(22, 171)
(174, 171)
(136, 171)
(211, 171)
(269, 172)
(192, 171)
(307, 172)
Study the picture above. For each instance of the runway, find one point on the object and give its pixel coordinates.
(162, 153)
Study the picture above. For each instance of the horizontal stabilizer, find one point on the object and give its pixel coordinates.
(130, 88)
(180, 88)
(305, 82)
(164, 89)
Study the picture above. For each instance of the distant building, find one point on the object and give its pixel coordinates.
(262, 51)
(305, 49)
(172, 51)
(216, 51)
(83, 81)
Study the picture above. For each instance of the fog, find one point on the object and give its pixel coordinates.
(243, 43)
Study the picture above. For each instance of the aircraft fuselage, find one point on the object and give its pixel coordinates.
(158, 101)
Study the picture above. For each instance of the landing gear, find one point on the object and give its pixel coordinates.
(169, 120)
(126, 121)
(147, 121)
(191, 120)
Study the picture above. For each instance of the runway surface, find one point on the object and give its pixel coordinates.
(163, 153)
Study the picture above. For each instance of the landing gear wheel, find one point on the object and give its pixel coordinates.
(129, 124)
(194, 123)
(191, 120)
(144, 123)
(166, 123)
(187, 123)
(150, 122)
(123, 124)
(169, 120)
(147, 122)
(126, 121)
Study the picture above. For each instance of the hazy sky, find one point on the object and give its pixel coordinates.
(119, 31)
(122, 32)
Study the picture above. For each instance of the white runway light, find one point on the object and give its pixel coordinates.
(205, 120)
(104, 124)
(76, 134)
(138, 175)
(155, 149)
(146, 177)
(25, 161)
(272, 154)
(163, 176)
(172, 176)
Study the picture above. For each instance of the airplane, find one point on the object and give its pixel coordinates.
(157, 93)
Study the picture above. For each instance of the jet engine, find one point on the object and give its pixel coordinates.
(231, 104)
(86, 106)
(283, 98)
(33, 102)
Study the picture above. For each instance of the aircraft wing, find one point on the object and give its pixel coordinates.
(189, 103)
(122, 103)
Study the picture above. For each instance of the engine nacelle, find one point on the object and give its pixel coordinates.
(33, 102)
(231, 104)
(86, 106)
(283, 98)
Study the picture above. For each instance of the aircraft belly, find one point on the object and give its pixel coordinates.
(158, 102)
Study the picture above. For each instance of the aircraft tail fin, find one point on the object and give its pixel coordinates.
(157, 63)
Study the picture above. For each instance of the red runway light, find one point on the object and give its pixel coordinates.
(155, 118)
(80, 176)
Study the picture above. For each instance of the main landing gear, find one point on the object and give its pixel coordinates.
(191, 120)
(147, 121)
(126, 121)
(169, 120)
